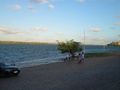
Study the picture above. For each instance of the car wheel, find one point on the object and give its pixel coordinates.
(3, 74)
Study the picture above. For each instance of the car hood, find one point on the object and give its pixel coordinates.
(12, 67)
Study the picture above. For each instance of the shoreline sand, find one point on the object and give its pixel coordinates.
(98, 73)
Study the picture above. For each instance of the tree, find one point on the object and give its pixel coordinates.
(69, 47)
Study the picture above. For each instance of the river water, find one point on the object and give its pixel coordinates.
(30, 55)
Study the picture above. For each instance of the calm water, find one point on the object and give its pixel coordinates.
(30, 55)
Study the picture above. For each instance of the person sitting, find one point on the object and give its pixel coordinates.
(69, 57)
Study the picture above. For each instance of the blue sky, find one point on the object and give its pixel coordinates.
(51, 20)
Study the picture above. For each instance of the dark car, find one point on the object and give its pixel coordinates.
(8, 70)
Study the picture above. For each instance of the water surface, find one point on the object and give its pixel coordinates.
(30, 55)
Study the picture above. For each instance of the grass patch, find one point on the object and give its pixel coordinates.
(88, 55)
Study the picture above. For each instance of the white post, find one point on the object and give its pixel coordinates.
(84, 41)
(104, 48)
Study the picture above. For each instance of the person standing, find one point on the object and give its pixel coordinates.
(82, 57)
(79, 58)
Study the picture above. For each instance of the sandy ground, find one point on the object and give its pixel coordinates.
(101, 73)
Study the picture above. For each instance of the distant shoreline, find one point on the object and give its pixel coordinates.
(21, 42)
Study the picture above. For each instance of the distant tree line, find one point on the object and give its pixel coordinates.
(20, 42)
(114, 44)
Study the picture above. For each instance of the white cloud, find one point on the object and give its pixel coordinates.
(81, 1)
(95, 29)
(50, 6)
(31, 8)
(15, 6)
(97, 41)
(60, 33)
(118, 24)
(102, 38)
(9, 30)
(53, 0)
(39, 29)
(39, 1)
(56, 0)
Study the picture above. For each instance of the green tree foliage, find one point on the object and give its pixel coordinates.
(69, 47)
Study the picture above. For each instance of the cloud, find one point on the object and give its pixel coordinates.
(59, 33)
(53, 0)
(118, 16)
(118, 24)
(101, 38)
(9, 30)
(95, 29)
(81, 1)
(50, 6)
(97, 41)
(112, 28)
(31, 8)
(56, 0)
(39, 1)
(40, 29)
(15, 6)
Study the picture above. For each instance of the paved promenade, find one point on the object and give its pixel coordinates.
(101, 73)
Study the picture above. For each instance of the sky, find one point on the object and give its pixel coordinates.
(50, 20)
